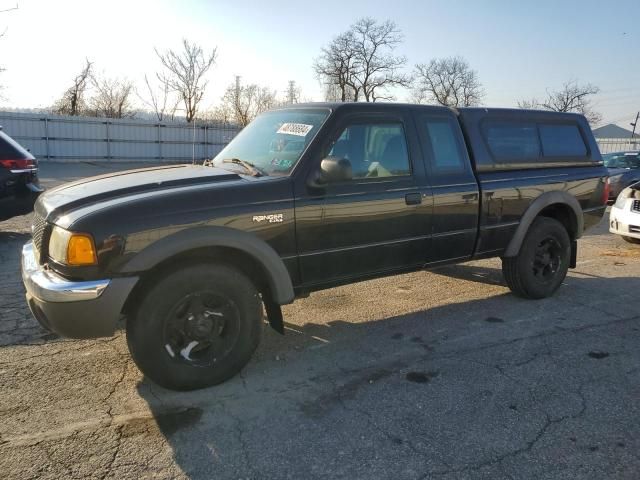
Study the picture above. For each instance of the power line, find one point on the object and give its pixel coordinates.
(9, 9)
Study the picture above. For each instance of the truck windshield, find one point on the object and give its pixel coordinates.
(274, 141)
(622, 160)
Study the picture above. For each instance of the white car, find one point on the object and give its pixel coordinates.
(624, 218)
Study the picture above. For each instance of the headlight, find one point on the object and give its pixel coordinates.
(622, 198)
(70, 248)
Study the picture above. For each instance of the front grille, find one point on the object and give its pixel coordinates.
(635, 206)
(40, 233)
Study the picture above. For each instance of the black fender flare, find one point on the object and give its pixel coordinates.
(534, 209)
(202, 237)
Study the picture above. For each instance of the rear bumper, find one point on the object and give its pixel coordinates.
(73, 309)
(18, 195)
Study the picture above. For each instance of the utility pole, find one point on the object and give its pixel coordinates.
(291, 92)
(237, 87)
(633, 132)
(236, 100)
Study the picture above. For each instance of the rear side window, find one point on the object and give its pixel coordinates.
(526, 142)
(513, 141)
(562, 141)
(11, 150)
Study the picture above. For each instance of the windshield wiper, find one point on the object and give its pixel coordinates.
(249, 167)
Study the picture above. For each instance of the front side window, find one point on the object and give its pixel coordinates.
(374, 150)
(274, 141)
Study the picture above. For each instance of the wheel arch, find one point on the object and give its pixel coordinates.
(253, 256)
(559, 205)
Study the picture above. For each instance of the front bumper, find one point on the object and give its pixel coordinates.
(73, 309)
(625, 222)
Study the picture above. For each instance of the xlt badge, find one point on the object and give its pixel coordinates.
(271, 218)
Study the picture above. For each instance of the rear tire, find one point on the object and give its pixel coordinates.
(197, 327)
(632, 240)
(542, 263)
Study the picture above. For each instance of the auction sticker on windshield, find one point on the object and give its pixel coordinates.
(299, 129)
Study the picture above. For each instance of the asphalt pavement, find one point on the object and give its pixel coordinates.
(441, 374)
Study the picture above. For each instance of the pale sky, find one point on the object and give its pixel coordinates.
(519, 49)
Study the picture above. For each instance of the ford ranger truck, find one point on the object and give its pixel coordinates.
(307, 197)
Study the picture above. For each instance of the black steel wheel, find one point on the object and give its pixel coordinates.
(547, 259)
(197, 327)
(543, 261)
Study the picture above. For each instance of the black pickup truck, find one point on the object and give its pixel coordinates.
(305, 198)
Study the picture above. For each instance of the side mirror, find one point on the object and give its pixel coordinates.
(332, 170)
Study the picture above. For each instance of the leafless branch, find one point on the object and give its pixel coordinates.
(242, 103)
(160, 99)
(10, 9)
(112, 98)
(73, 100)
(572, 97)
(447, 81)
(184, 73)
(360, 63)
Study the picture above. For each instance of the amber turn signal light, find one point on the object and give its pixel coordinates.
(81, 250)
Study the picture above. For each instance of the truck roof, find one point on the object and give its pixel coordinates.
(362, 105)
(472, 112)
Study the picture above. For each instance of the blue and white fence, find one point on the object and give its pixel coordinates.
(68, 139)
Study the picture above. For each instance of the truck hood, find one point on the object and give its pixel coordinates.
(102, 188)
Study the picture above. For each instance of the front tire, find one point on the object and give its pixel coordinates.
(631, 240)
(197, 327)
(543, 261)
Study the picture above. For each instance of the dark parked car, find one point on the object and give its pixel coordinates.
(305, 198)
(624, 170)
(19, 185)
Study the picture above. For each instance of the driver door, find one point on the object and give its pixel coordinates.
(377, 222)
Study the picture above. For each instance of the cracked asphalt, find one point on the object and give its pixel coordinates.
(441, 374)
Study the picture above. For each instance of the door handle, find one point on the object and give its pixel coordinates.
(413, 199)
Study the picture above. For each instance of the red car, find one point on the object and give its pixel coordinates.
(19, 187)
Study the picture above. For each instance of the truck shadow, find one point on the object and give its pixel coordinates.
(296, 401)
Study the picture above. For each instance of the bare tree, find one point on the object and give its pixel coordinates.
(336, 68)
(332, 93)
(243, 103)
(219, 114)
(160, 99)
(112, 98)
(360, 63)
(185, 71)
(379, 68)
(572, 97)
(447, 81)
(73, 100)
